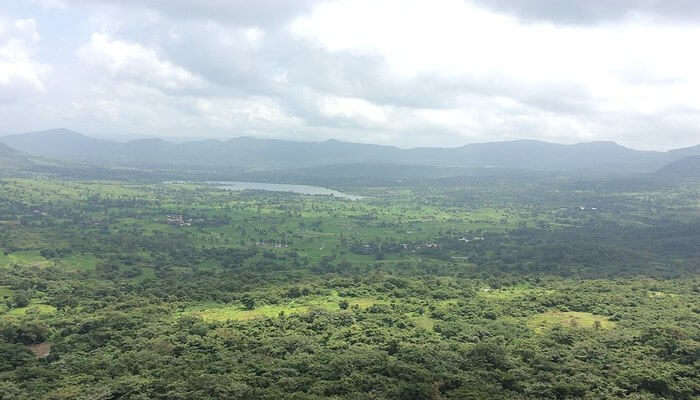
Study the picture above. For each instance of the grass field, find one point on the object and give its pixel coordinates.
(5, 293)
(423, 321)
(26, 258)
(37, 309)
(222, 312)
(79, 262)
(542, 322)
(513, 292)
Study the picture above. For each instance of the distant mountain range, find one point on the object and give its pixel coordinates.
(250, 154)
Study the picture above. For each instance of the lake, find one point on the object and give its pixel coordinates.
(281, 187)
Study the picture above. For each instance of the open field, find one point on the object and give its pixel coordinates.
(570, 319)
(36, 309)
(26, 258)
(218, 312)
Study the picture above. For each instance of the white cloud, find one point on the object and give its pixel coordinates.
(352, 108)
(134, 62)
(21, 74)
(254, 35)
(454, 39)
(405, 72)
(256, 115)
(50, 4)
(638, 66)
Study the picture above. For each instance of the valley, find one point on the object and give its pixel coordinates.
(439, 291)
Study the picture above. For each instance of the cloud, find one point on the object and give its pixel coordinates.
(55, 4)
(564, 79)
(20, 73)
(263, 13)
(409, 72)
(353, 108)
(134, 62)
(594, 12)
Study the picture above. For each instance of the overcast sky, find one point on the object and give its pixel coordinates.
(401, 72)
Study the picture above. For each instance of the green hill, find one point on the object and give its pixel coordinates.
(12, 159)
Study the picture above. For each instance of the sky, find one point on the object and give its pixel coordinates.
(402, 72)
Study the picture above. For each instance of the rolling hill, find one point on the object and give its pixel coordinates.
(13, 159)
(688, 167)
(253, 154)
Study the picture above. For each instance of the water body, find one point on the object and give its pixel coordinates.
(281, 187)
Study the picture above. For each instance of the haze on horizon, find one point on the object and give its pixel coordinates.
(407, 73)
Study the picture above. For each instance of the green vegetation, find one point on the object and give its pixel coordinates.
(540, 289)
(32, 310)
(218, 312)
(570, 319)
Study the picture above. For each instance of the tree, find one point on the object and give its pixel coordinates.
(13, 356)
(248, 302)
(293, 292)
(21, 299)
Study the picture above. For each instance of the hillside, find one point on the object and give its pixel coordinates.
(266, 154)
(688, 167)
(12, 159)
(538, 155)
(686, 152)
(61, 144)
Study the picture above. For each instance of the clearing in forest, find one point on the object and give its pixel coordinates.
(41, 350)
(36, 309)
(27, 258)
(513, 292)
(540, 322)
(220, 312)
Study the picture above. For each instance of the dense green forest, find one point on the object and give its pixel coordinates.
(531, 287)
